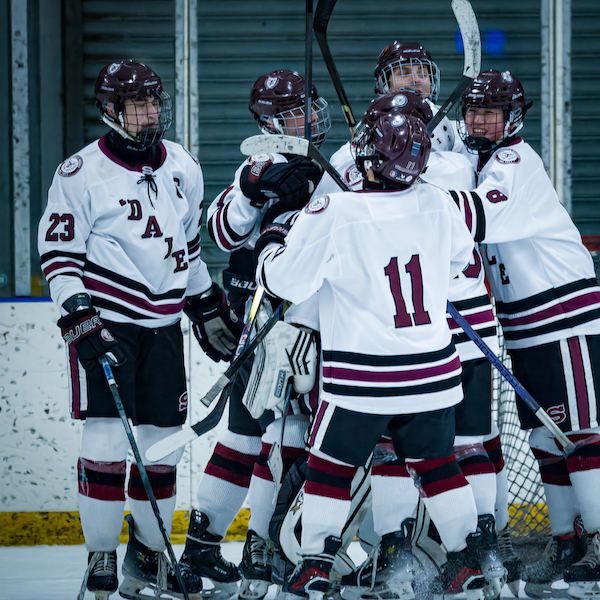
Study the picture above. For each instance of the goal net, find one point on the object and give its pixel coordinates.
(527, 503)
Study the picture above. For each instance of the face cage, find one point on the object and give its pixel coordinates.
(382, 85)
(148, 136)
(295, 122)
(476, 144)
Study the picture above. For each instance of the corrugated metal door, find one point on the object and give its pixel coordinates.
(585, 90)
(238, 41)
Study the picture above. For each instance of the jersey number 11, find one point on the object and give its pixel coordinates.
(402, 318)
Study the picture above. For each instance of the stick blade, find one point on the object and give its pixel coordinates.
(469, 29)
(171, 443)
(280, 144)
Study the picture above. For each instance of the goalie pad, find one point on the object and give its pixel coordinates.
(285, 528)
(286, 352)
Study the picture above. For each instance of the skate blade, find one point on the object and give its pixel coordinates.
(315, 595)
(545, 590)
(135, 589)
(103, 595)
(218, 591)
(253, 589)
(513, 586)
(584, 589)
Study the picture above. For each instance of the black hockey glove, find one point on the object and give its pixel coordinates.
(292, 182)
(84, 328)
(214, 324)
(274, 232)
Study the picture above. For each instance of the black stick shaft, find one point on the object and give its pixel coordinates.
(112, 384)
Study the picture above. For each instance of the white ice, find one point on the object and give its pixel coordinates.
(55, 572)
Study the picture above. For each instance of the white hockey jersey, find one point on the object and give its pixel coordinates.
(128, 239)
(541, 274)
(381, 262)
(468, 293)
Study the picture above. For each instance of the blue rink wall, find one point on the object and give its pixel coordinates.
(39, 442)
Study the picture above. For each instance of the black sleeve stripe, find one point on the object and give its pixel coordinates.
(455, 197)
(480, 229)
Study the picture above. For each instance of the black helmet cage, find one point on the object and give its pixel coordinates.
(427, 68)
(290, 122)
(493, 89)
(131, 80)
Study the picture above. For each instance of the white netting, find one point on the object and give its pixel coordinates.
(527, 503)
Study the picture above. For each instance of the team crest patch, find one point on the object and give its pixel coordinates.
(70, 166)
(353, 176)
(507, 156)
(317, 205)
(106, 335)
(183, 402)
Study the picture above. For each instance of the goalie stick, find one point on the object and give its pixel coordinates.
(188, 434)
(289, 144)
(112, 384)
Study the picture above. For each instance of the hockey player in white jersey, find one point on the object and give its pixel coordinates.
(120, 247)
(548, 303)
(469, 294)
(409, 66)
(263, 187)
(381, 261)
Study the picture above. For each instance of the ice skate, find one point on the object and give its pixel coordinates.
(559, 554)
(146, 569)
(101, 575)
(389, 573)
(310, 578)
(462, 573)
(488, 552)
(202, 558)
(583, 577)
(510, 560)
(255, 567)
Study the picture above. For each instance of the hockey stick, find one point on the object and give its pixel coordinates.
(322, 16)
(188, 434)
(469, 30)
(308, 56)
(568, 447)
(289, 144)
(112, 384)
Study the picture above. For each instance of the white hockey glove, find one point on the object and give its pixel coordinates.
(286, 352)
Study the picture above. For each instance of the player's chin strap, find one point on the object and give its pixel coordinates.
(120, 129)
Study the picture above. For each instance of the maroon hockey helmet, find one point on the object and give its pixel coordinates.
(406, 103)
(132, 80)
(399, 54)
(396, 150)
(493, 89)
(277, 102)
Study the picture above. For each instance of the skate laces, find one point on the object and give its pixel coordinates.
(507, 551)
(592, 555)
(100, 563)
(162, 572)
(259, 550)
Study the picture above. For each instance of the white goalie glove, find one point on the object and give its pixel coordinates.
(287, 352)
